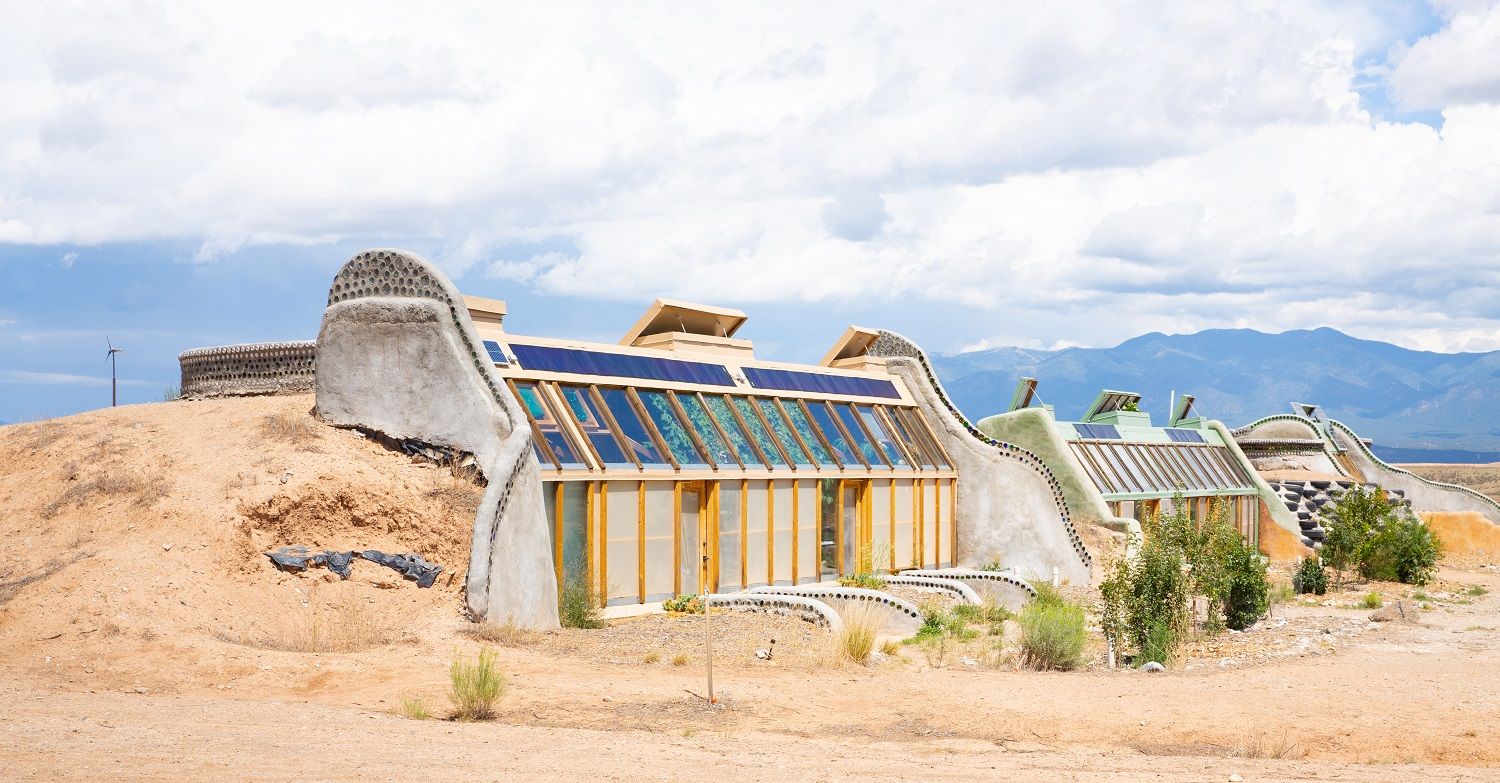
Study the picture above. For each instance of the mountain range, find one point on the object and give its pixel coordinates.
(1415, 405)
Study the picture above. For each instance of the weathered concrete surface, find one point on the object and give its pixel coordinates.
(1425, 495)
(397, 353)
(246, 370)
(1032, 429)
(1464, 532)
(1009, 507)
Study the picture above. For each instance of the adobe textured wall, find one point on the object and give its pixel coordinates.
(251, 369)
(397, 353)
(1010, 507)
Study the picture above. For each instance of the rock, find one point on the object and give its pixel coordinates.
(166, 547)
(968, 661)
(1234, 777)
(1399, 611)
(606, 698)
(1153, 666)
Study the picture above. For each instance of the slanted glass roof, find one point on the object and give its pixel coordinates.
(1161, 469)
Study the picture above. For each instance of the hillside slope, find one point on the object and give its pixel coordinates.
(1398, 397)
(150, 522)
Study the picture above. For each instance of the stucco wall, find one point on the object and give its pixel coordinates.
(397, 353)
(243, 370)
(1424, 494)
(1032, 429)
(1010, 507)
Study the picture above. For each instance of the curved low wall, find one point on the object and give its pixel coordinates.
(809, 609)
(1010, 507)
(1424, 494)
(250, 369)
(397, 353)
(1012, 592)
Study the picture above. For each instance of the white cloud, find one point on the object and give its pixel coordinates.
(1086, 171)
(60, 379)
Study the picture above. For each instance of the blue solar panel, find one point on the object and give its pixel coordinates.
(574, 360)
(1099, 431)
(791, 380)
(1185, 436)
(496, 355)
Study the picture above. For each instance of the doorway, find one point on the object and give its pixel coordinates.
(697, 537)
(844, 533)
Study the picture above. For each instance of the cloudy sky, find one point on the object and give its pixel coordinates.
(1038, 174)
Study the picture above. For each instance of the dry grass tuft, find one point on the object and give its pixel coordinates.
(298, 429)
(10, 588)
(143, 488)
(343, 628)
(476, 686)
(507, 635)
(680, 659)
(411, 707)
(652, 657)
(862, 623)
(1269, 745)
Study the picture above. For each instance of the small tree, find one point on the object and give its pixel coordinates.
(1351, 522)
(1403, 550)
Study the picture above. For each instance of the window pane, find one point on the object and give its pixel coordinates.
(912, 418)
(916, 446)
(704, 426)
(886, 440)
(542, 415)
(659, 408)
(637, 438)
(824, 420)
(866, 448)
(737, 437)
(594, 426)
(783, 430)
(805, 429)
(758, 431)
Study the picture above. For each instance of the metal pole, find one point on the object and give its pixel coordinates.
(708, 647)
(114, 396)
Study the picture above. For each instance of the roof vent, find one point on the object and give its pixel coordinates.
(684, 327)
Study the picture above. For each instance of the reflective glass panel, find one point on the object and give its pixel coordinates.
(672, 430)
(541, 413)
(884, 438)
(809, 435)
(759, 433)
(594, 426)
(861, 441)
(917, 447)
(737, 437)
(698, 416)
(824, 420)
(632, 430)
(784, 433)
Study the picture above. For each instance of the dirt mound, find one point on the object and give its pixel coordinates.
(150, 522)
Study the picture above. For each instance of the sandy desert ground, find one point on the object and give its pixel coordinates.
(143, 636)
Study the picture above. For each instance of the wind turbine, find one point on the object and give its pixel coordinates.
(114, 398)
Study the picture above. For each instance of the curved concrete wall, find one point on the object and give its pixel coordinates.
(1424, 494)
(1293, 428)
(1033, 430)
(251, 369)
(1010, 507)
(397, 353)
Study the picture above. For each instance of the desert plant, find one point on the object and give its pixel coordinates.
(1160, 645)
(1477, 590)
(507, 634)
(1372, 601)
(411, 707)
(890, 647)
(652, 657)
(1403, 549)
(1310, 577)
(170, 393)
(866, 580)
(862, 623)
(579, 605)
(1052, 635)
(680, 659)
(1351, 521)
(993, 565)
(475, 686)
(1245, 598)
(684, 604)
(297, 429)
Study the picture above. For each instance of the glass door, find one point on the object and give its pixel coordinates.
(697, 535)
(845, 528)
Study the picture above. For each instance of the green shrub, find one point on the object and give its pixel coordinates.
(1052, 635)
(411, 707)
(580, 606)
(684, 604)
(1371, 601)
(993, 565)
(476, 686)
(1047, 594)
(1477, 590)
(866, 580)
(1246, 594)
(1403, 549)
(1311, 577)
(1160, 646)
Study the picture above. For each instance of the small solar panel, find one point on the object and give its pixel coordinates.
(1185, 436)
(496, 355)
(791, 380)
(1098, 431)
(544, 358)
